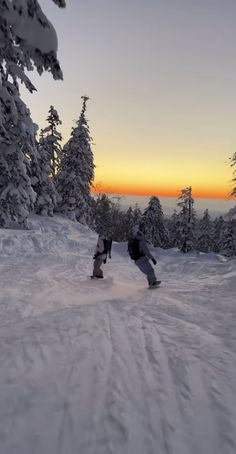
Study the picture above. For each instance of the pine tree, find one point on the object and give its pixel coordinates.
(76, 172)
(17, 147)
(205, 241)
(233, 164)
(187, 220)
(231, 213)
(175, 230)
(129, 221)
(27, 41)
(103, 216)
(118, 219)
(152, 224)
(228, 241)
(52, 139)
(218, 229)
(132, 217)
(42, 182)
(137, 215)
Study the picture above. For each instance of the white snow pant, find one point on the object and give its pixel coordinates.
(146, 268)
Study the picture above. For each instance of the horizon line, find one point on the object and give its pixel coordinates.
(171, 194)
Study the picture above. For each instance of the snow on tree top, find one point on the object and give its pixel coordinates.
(37, 31)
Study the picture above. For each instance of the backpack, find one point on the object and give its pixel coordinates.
(133, 249)
(107, 247)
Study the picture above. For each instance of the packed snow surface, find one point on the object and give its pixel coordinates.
(110, 367)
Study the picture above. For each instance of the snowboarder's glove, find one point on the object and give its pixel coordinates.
(105, 260)
(154, 261)
(95, 256)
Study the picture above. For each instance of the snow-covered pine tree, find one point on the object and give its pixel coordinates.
(231, 214)
(52, 139)
(233, 164)
(132, 217)
(174, 227)
(27, 41)
(187, 220)
(228, 242)
(118, 229)
(102, 215)
(137, 215)
(205, 233)
(42, 182)
(129, 221)
(218, 229)
(17, 147)
(153, 225)
(76, 172)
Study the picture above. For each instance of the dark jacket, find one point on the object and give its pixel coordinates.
(143, 247)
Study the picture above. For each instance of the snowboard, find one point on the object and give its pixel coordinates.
(95, 277)
(106, 280)
(155, 286)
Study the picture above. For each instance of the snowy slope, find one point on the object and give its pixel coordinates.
(110, 367)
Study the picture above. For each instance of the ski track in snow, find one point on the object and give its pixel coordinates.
(110, 367)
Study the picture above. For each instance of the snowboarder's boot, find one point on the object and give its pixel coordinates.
(155, 284)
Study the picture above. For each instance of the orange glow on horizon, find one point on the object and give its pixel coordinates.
(204, 193)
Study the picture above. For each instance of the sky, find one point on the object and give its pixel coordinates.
(160, 75)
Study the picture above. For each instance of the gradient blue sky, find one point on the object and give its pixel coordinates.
(161, 75)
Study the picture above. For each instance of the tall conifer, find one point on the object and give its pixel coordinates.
(233, 164)
(52, 140)
(205, 233)
(153, 225)
(76, 172)
(42, 181)
(187, 220)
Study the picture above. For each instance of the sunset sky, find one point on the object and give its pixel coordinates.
(161, 75)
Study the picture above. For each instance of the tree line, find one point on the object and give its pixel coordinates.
(183, 230)
(38, 175)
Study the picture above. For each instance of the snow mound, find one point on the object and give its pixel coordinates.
(45, 236)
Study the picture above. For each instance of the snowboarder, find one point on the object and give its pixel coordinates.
(103, 249)
(139, 252)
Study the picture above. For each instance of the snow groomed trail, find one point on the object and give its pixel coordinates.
(110, 367)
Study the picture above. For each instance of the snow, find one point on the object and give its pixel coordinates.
(36, 31)
(110, 367)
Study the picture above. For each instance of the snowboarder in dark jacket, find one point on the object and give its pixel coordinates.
(103, 249)
(142, 256)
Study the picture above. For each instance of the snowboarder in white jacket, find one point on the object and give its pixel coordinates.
(103, 249)
(143, 256)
